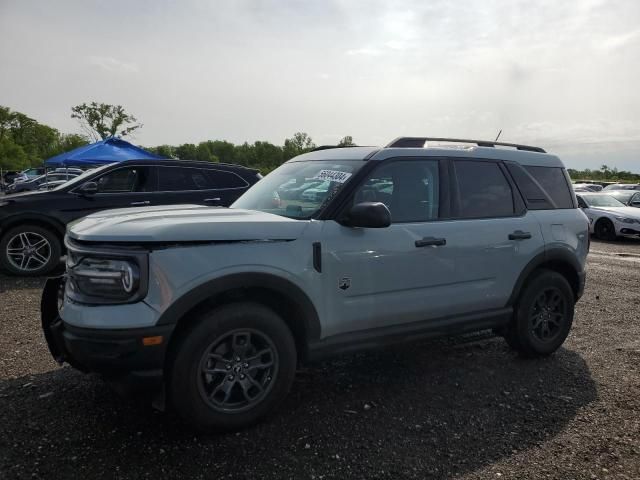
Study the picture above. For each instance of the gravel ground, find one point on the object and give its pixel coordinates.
(460, 408)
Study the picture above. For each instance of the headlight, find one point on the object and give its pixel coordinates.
(105, 280)
(627, 220)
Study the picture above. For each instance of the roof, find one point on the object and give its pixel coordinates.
(523, 154)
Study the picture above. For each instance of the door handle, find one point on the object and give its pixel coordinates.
(431, 241)
(211, 200)
(146, 202)
(519, 235)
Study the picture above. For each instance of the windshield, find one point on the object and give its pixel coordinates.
(623, 196)
(81, 178)
(601, 201)
(299, 189)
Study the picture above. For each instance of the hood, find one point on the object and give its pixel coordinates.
(28, 195)
(184, 223)
(631, 212)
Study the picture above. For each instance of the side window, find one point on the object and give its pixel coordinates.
(483, 190)
(127, 179)
(175, 179)
(222, 179)
(410, 189)
(553, 180)
(581, 203)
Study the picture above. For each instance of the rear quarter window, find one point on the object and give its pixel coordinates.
(543, 188)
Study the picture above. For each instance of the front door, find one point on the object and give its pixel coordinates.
(399, 274)
(128, 186)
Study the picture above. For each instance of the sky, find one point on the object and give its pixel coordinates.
(564, 75)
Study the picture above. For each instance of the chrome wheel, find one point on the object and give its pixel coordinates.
(237, 370)
(548, 314)
(28, 251)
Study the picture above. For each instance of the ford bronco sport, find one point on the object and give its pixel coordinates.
(215, 307)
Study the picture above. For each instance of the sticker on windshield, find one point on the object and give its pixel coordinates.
(332, 176)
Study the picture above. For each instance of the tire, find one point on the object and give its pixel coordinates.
(543, 315)
(605, 230)
(234, 393)
(29, 250)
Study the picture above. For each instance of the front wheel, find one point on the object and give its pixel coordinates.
(605, 230)
(233, 367)
(543, 315)
(29, 250)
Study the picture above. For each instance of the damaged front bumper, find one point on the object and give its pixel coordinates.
(133, 356)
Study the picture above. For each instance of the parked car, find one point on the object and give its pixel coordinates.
(621, 186)
(32, 225)
(608, 217)
(31, 185)
(217, 307)
(29, 174)
(630, 198)
(51, 185)
(592, 187)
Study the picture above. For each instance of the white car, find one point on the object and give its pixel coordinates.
(609, 218)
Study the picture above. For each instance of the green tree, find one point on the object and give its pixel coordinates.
(186, 151)
(101, 120)
(298, 144)
(165, 151)
(12, 156)
(346, 142)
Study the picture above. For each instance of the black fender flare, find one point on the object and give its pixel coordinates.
(217, 286)
(551, 255)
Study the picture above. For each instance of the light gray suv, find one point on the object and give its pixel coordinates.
(216, 307)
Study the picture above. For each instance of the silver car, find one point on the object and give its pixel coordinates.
(215, 308)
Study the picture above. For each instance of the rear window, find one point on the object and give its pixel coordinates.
(484, 190)
(543, 188)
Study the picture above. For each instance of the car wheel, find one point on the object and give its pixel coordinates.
(543, 315)
(605, 230)
(29, 250)
(234, 366)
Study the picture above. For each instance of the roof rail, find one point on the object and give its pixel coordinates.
(418, 142)
(328, 147)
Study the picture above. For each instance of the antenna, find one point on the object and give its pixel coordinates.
(498, 136)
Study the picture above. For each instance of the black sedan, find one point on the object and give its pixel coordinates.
(32, 224)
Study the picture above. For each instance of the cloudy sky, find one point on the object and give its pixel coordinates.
(561, 74)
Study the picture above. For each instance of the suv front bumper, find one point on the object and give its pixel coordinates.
(133, 356)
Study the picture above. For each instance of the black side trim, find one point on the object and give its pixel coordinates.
(317, 257)
(378, 337)
(553, 254)
(217, 286)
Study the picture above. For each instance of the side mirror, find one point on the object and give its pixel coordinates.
(89, 188)
(635, 204)
(368, 215)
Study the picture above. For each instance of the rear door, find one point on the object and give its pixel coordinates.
(492, 234)
(204, 186)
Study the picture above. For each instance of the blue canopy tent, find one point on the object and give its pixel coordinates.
(110, 150)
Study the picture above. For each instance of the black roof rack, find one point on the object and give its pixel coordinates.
(328, 147)
(418, 142)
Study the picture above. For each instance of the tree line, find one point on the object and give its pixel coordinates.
(24, 143)
(604, 174)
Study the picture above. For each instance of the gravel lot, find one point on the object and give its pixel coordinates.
(462, 408)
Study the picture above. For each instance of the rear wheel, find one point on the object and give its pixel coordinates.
(233, 367)
(543, 315)
(29, 250)
(605, 230)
